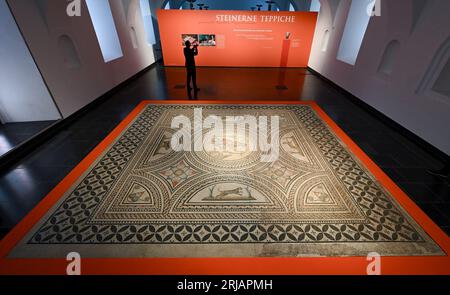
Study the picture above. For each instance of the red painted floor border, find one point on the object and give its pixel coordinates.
(407, 265)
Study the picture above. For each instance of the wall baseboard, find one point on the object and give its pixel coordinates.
(428, 147)
(26, 147)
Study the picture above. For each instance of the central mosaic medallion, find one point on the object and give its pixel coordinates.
(140, 191)
(161, 186)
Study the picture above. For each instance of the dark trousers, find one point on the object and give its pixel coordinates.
(191, 75)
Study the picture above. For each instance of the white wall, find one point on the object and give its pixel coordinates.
(105, 29)
(354, 31)
(73, 65)
(421, 27)
(23, 94)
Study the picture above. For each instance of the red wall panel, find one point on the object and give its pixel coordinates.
(243, 38)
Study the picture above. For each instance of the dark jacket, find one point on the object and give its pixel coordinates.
(190, 54)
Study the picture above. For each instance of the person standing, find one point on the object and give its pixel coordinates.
(190, 54)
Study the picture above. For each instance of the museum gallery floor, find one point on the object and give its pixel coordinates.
(134, 205)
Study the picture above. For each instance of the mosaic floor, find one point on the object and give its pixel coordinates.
(142, 199)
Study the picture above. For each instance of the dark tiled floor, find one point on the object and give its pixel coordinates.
(13, 134)
(24, 185)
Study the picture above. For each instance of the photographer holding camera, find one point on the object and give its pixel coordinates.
(189, 54)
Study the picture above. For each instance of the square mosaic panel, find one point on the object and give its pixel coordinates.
(316, 199)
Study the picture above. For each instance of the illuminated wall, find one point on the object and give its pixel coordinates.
(146, 14)
(105, 29)
(83, 57)
(355, 28)
(23, 94)
(402, 65)
(239, 38)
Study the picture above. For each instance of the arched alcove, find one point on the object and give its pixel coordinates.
(134, 38)
(126, 7)
(442, 83)
(132, 13)
(389, 57)
(332, 7)
(326, 13)
(436, 80)
(325, 40)
(69, 52)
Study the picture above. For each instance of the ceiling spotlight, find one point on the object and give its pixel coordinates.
(191, 4)
(270, 5)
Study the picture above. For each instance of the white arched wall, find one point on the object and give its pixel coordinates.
(135, 26)
(389, 59)
(436, 81)
(23, 93)
(396, 94)
(75, 87)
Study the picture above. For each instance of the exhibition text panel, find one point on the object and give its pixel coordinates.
(238, 38)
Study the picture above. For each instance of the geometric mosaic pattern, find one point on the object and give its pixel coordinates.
(142, 192)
